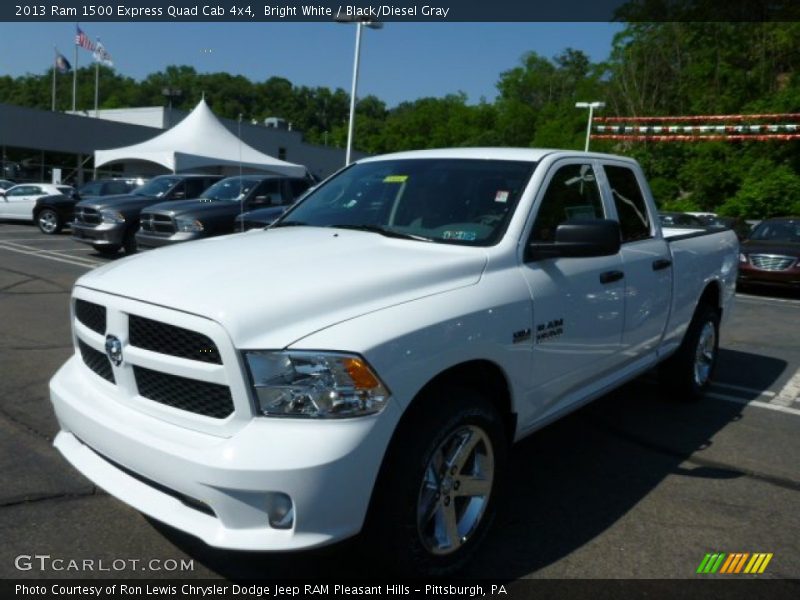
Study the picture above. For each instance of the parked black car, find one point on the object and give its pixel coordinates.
(6, 183)
(110, 223)
(215, 212)
(51, 213)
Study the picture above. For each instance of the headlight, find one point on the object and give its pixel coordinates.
(112, 216)
(742, 257)
(319, 385)
(185, 224)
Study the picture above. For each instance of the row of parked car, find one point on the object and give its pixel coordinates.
(131, 214)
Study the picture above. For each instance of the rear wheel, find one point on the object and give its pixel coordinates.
(48, 221)
(688, 372)
(435, 498)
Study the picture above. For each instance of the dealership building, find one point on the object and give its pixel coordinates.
(35, 142)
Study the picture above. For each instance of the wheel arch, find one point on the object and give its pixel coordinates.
(483, 375)
(711, 296)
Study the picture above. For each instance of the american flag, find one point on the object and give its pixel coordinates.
(82, 40)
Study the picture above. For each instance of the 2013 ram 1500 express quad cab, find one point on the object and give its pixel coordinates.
(365, 362)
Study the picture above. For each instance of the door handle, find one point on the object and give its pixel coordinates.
(611, 276)
(661, 263)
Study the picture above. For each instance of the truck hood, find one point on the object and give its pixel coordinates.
(195, 208)
(270, 288)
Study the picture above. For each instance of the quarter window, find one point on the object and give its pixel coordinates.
(629, 201)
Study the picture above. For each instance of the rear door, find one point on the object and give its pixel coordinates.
(646, 260)
(577, 302)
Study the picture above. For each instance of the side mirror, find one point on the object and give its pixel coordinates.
(579, 238)
(179, 195)
(259, 200)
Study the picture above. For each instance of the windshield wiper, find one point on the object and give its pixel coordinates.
(386, 231)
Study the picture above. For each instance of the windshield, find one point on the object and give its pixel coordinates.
(232, 189)
(777, 231)
(157, 187)
(453, 201)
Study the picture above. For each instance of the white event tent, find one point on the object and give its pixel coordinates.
(199, 141)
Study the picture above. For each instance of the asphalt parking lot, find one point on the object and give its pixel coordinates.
(635, 485)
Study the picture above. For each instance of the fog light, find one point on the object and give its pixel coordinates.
(280, 510)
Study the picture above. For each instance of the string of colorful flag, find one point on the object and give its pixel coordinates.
(698, 128)
(61, 65)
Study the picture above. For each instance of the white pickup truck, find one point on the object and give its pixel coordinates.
(365, 363)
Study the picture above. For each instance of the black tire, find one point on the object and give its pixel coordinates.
(129, 242)
(445, 416)
(106, 250)
(687, 374)
(49, 221)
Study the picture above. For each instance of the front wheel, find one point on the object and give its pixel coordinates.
(48, 221)
(436, 494)
(688, 372)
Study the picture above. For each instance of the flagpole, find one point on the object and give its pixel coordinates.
(96, 85)
(54, 79)
(75, 73)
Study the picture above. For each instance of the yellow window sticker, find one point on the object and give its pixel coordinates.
(395, 179)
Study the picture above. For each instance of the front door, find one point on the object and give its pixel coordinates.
(20, 200)
(577, 302)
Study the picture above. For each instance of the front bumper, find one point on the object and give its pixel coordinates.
(105, 234)
(328, 468)
(149, 240)
(786, 278)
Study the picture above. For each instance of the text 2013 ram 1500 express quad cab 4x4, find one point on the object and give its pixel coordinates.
(365, 362)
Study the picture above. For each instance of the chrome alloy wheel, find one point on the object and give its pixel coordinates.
(48, 221)
(704, 354)
(455, 490)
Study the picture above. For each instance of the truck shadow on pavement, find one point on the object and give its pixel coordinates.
(567, 484)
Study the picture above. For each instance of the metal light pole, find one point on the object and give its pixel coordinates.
(591, 106)
(360, 23)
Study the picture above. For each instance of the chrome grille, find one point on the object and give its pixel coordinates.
(771, 262)
(92, 315)
(155, 223)
(172, 340)
(199, 397)
(87, 216)
(96, 361)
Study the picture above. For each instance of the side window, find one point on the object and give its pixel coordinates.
(629, 201)
(23, 190)
(117, 187)
(271, 188)
(571, 194)
(299, 187)
(195, 187)
(91, 189)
